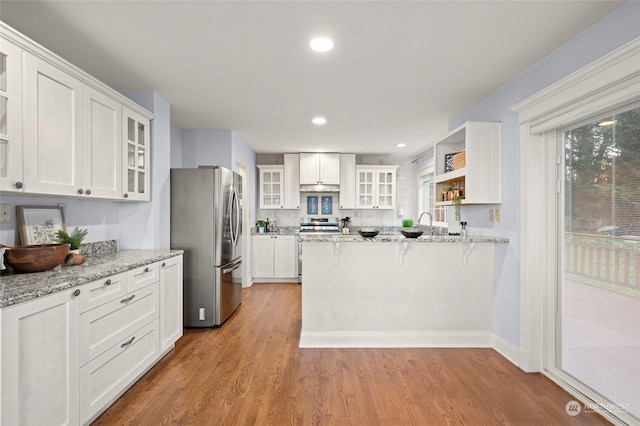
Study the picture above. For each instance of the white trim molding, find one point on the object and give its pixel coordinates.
(610, 82)
(462, 339)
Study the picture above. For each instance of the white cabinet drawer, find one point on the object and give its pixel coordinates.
(108, 375)
(104, 326)
(99, 292)
(143, 276)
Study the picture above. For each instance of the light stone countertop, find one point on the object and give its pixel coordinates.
(19, 288)
(393, 238)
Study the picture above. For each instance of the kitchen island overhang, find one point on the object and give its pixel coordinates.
(391, 291)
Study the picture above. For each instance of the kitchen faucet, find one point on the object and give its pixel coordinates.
(430, 221)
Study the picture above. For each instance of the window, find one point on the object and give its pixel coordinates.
(427, 194)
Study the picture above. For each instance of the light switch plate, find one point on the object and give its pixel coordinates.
(498, 215)
(5, 213)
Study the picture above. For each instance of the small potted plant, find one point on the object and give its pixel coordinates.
(261, 226)
(74, 238)
(407, 223)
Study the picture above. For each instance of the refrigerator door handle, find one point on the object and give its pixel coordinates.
(233, 267)
(237, 202)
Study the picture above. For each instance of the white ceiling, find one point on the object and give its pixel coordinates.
(399, 70)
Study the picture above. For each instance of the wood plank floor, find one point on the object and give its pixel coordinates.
(251, 372)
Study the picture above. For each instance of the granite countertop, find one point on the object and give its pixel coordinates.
(283, 230)
(19, 288)
(396, 237)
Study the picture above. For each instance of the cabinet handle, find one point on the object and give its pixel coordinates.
(128, 342)
(19, 185)
(164, 264)
(88, 192)
(126, 195)
(128, 299)
(108, 282)
(80, 191)
(76, 293)
(146, 269)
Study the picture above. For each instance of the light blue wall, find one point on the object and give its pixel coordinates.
(242, 154)
(611, 32)
(176, 147)
(207, 148)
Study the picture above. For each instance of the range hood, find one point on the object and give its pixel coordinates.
(319, 188)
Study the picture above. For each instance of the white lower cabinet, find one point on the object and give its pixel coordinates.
(39, 361)
(66, 357)
(275, 256)
(171, 320)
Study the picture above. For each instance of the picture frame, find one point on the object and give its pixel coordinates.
(39, 224)
(327, 204)
(312, 204)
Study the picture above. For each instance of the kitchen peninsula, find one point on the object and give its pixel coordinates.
(392, 291)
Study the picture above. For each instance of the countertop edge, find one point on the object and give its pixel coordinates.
(65, 279)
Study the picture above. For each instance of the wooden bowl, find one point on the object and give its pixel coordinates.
(36, 258)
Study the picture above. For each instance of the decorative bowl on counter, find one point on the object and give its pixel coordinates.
(411, 232)
(368, 232)
(36, 258)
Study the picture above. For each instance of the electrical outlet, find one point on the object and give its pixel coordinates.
(498, 215)
(491, 215)
(5, 213)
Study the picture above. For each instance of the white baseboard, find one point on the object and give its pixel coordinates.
(413, 340)
(396, 340)
(512, 353)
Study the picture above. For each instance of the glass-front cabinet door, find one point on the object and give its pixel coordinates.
(386, 190)
(10, 117)
(136, 147)
(271, 187)
(365, 188)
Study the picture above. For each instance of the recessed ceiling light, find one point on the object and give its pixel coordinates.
(319, 121)
(401, 145)
(321, 44)
(607, 123)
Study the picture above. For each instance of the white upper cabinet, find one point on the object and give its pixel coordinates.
(468, 164)
(292, 181)
(10, 117)
(347, 181)
(376, 187)
(271, 187)
(102, 147)
(52, 144)
(321, 169)
(137, 152)
(63, 133)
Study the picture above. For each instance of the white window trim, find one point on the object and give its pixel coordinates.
(608, 83)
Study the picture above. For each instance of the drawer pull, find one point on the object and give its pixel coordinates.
(76, 293)
(128, 299)
(128, 342)
(146, 269)
(164, 264)
(108, 282)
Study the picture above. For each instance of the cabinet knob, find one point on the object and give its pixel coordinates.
(108, 282)
(126, 195)
(19, 185)
(80, 191)
(76, 293)
(146, 269)
(88, 192)
(164, 264)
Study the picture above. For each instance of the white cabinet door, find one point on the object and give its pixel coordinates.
(319, 169)
(52, 143)
(330, 169)
(292, 181)
(271, 187)
(285, 259)
(171, 303)
(309, 169)
(347, 181)
(262, 252)
(10, 117)
(136, 145)
(102, 149)
(386, 188)
(365, 188)
(40, 361)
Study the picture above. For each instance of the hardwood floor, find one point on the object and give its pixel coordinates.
(251, 372)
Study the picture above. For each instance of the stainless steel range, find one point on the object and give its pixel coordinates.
(316, 225)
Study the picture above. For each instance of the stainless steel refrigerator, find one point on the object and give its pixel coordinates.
(206, 222)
